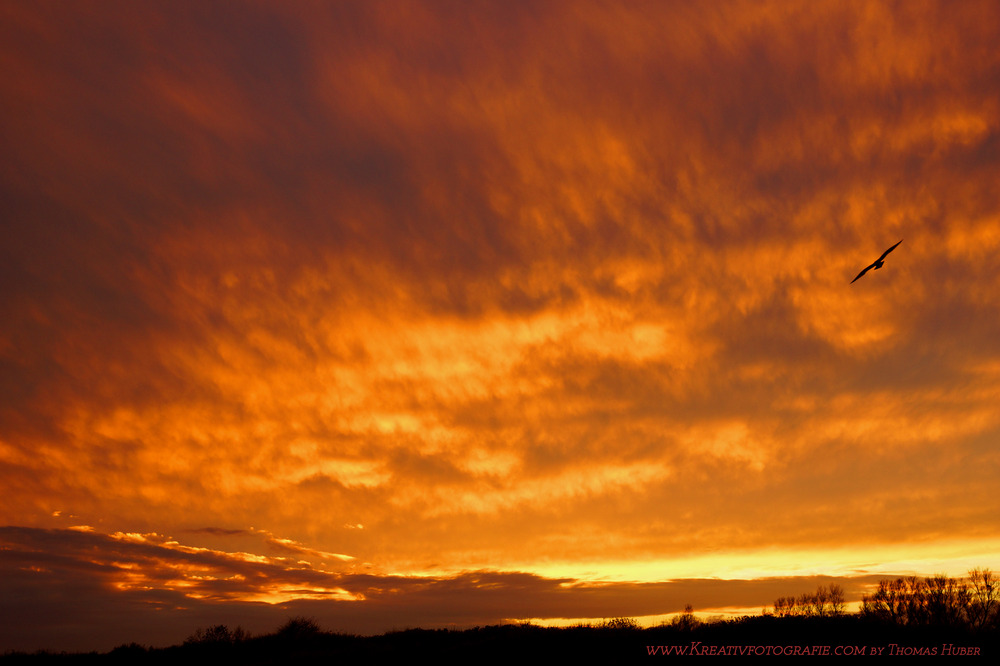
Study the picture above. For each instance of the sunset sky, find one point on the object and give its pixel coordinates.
(397, 314)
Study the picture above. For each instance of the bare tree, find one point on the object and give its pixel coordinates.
(784, 606)
(836, 597)
(887, 603)
(819, 599)
(687, 620)
(946, 601)
(984, 598)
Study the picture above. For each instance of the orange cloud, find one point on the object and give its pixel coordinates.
(510, 287)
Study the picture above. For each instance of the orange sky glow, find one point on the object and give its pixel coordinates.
(399, 314)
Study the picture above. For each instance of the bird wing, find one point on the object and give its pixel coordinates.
(868, 268)
(888, 251)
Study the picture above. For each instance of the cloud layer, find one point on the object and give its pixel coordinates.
(102, 590)
(555, 289)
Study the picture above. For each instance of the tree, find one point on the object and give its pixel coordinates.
(620, 623)
(836, 597)
(984, 598)
(686, 621)
(784, 606)
(946, 600)
(220, 634)
(298, 628)
(888, 603)
(819, 599)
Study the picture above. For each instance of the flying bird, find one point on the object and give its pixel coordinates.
(878, 262)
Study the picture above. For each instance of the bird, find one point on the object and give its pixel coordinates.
(878, 262)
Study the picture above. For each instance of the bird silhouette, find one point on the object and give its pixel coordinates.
(877, 264)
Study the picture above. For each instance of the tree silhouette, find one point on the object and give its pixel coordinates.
(620, 623)
(823, 602)
(220, 634)
(836, 598)
(686, 621)
(984, 601)
(937, 600)
(298, 629)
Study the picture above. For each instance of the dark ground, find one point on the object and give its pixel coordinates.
(301, 641)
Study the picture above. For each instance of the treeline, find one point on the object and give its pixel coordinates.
(972, 602)
(618, 640)
(823, 602)
(940, 601)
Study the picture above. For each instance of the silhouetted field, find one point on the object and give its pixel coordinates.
(617, 641)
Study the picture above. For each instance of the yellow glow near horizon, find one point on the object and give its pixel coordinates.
(952, 558)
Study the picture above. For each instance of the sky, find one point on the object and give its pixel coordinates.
(397, 314)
